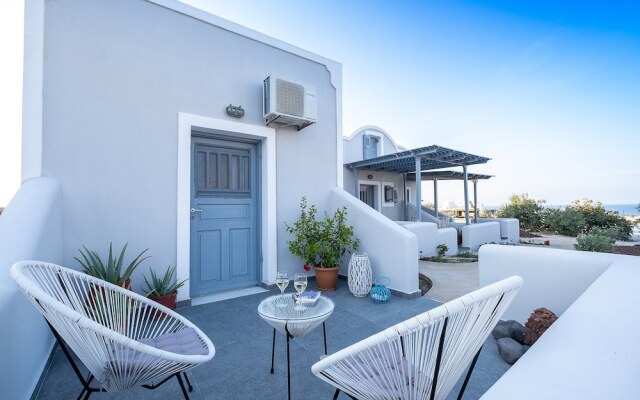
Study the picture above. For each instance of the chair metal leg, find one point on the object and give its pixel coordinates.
(86, 383)
(288, 368)
(273, 348)
(466, 379)
(324, 333)
(186, 378)
(184, 390)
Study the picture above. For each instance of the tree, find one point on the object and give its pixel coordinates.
(528, 211)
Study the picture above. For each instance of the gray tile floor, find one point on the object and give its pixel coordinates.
(240, 368)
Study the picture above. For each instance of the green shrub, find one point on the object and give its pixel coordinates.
(584, 216)
(613, 232)
(527, 211)
(598, 243)
(564, 222)
(442, 249)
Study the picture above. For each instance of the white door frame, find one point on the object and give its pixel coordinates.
(268, 253)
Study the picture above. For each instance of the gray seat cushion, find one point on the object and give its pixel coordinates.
(184, 341)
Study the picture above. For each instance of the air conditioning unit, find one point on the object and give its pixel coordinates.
(289, 102)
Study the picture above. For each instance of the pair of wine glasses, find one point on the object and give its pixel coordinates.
(299, 283)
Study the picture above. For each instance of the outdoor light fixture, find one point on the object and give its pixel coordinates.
(235, 111)
(369, 176)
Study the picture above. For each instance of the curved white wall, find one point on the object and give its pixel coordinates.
(553, 278)
(392, 250)
(475, 235)
(591, 351)
(30, 229)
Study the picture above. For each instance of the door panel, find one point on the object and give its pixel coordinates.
(225, 219)
(238, 240)
(210, 245)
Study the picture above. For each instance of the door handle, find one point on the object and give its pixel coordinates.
(195, 210)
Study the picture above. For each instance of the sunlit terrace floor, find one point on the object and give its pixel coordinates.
(240, 368)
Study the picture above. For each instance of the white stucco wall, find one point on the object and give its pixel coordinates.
(475, 235)
(116, 77)
(353, 151)
(553, 278)
(30, 229)
(392, 250)
(591, 351)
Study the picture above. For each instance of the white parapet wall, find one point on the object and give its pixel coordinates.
(509, 228)
(392, 250)
(429, 237)
(448, 237)
(591, 351)
(553, 278)
(475, 235)
(30, 229)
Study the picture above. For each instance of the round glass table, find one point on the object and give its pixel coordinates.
(294, 321)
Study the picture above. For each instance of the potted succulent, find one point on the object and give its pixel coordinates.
(322, 243)
(111, 271)
(163, 289)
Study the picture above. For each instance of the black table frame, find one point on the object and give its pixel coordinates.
(289, 337)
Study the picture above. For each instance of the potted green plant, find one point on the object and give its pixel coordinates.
(163, 289)
(322, 243)
(111, 271)
(305, 243)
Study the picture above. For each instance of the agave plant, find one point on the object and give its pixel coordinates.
(93, 265)
(160, 286)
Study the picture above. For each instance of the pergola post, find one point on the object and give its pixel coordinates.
(466, 194)
(435, 197)
(419, 189)
(475, 201)
(404, 195)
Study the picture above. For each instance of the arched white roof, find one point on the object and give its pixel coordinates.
(377, 129)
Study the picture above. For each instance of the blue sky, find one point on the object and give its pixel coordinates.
(549, 90)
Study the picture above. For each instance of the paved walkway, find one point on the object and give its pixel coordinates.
(450, 280)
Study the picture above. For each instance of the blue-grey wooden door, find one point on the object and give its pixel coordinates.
(224, 216)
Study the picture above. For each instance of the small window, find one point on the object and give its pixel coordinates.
(369, 146)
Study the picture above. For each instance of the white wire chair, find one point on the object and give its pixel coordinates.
(424, 356)
(124, 339)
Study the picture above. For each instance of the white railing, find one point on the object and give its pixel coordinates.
(30, 229)
(591, 351)
(392, 250)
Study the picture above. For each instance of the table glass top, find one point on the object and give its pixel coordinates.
(268, 308)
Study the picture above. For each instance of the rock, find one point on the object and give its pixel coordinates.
(539, 321)
(517, 332)
(511, 328)
(501, 330)
(509, 349)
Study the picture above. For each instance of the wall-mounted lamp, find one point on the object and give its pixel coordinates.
(235, 111)
(369, 176)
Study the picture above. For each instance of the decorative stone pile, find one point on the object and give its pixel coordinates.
(514, 340)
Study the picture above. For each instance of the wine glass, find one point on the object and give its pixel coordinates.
(300, 284)
(282, 281)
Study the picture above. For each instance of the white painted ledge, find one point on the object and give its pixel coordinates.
(591, 351)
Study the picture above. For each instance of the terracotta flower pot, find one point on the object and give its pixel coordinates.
(167, 300)
(326, 278)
